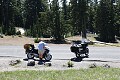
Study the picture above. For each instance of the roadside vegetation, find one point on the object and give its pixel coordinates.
(98, 73)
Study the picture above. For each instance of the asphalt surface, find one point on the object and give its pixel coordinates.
(62, 51)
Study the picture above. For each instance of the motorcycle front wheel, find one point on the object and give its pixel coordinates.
(48, 57)
(87, 52)
(77, 55)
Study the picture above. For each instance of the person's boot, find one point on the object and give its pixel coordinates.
(40, 61)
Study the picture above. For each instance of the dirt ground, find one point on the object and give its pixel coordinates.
(16, 40)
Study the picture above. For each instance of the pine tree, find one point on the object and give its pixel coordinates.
(82, 17)
(105, 21)
(8, 11)
(32, 9)
(117, 18)
(56, 21)
(74, 17)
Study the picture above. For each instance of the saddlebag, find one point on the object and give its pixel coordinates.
(74, 49)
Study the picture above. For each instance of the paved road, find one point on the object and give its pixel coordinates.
(63, 52)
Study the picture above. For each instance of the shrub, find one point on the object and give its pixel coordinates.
(36, 40)
(18, 33)
(70, 64)
(93, 65)
(1, 36)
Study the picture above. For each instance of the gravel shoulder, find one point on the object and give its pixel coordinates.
(55, 64)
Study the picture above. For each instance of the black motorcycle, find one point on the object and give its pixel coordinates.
(80, 49)
(32, 52)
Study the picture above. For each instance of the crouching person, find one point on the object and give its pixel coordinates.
(41, 49)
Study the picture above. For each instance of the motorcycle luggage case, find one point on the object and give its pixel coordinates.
(74, 48)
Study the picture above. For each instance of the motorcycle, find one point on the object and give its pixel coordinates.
(32, 52)
(80, 49)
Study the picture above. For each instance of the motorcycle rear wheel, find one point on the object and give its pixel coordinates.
(30, 55)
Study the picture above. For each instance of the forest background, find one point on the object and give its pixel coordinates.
(60, 19)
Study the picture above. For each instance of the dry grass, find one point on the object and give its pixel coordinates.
(10, 40)
(18, 40)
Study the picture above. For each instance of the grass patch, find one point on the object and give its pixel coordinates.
(82, 74)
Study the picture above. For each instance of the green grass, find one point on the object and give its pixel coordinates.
(82, 74)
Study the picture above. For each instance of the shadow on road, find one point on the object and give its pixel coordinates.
(72, 59)
(26, 59)
(76, 59)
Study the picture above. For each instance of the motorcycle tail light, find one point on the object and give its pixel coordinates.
(72, 44)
